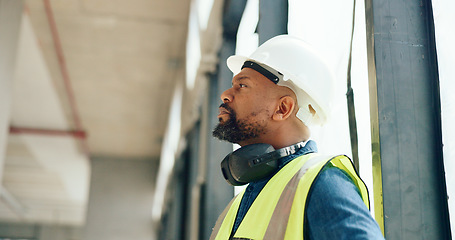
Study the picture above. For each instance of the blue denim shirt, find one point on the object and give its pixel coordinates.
(342, 214)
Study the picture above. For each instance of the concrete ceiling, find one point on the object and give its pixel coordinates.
(123, 59)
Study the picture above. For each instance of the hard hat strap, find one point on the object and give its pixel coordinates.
(266, 73)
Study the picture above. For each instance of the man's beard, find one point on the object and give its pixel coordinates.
(235, 130)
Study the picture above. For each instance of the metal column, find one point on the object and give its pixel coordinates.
(409, 179)
(273, 19)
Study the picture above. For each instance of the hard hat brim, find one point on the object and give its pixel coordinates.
(235, 63)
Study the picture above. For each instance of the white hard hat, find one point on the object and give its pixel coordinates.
(303, 70)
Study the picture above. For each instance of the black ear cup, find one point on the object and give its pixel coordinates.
(248, 164)
(254, 162)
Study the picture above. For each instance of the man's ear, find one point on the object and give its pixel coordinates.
(284, 109)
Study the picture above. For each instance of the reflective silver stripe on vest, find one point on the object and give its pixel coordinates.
(280, 217)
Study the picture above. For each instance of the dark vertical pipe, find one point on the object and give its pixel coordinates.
(350, 102)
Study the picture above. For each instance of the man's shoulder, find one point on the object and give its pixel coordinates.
(335, 180)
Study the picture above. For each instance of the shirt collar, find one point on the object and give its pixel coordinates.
(310, 147)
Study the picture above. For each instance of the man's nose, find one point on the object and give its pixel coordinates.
(227, 96)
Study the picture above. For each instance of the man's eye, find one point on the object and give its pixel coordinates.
(242, 85)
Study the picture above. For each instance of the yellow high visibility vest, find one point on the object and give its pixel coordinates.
(278, 211)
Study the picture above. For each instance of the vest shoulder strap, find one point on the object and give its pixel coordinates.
(220, 219)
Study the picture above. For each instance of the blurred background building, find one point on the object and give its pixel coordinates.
(107, 108)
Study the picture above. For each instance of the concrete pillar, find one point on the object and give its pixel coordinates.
(10, 19)
(121, 196)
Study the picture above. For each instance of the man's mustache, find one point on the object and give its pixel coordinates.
(229, 109)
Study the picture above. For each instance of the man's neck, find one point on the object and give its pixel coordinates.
(279, 140)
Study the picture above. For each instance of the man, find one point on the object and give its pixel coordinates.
(293, 193)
